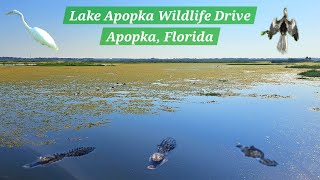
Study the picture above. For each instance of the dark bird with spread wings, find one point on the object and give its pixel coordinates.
(283, 26)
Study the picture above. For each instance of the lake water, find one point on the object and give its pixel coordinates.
(285, 129)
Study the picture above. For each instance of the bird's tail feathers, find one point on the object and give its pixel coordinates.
(283, 44)
(54, 47)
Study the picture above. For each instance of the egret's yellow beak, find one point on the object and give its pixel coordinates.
(11, 12)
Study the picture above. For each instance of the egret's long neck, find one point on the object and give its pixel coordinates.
(23, 21)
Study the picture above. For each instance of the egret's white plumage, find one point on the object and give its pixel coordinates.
(38, 34)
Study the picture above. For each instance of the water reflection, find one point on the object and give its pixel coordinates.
(207, 132)
(11, 160)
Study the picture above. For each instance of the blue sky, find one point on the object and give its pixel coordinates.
(83, 40)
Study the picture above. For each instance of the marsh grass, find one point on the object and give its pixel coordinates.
(211, 94)
(310, 73)
(92, 124)
(44, 100)
(251, 64)
(304, 66)
(69, 64)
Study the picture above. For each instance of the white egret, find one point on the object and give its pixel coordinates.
(38, 34)
(283, 26)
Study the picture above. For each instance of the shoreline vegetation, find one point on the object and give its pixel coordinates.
(44, 62)
(68, 64)
(310, 73)
(310, 65)
(79, 61)
(50, 97)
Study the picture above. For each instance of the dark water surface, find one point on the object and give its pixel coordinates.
(285, 129)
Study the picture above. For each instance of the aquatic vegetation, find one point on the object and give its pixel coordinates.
(10, 142)
(310, 73)
(35, 110)
(33, 118)
(251, 64)
(218, 94)
(136, 106)
(168, 108)
(69, 64)
(269, 96)
(48, 142)
(39, 101)
(211, 94)
(305, 66)
(91, 124)
(254, 152)
(50, 159)
(161, 156)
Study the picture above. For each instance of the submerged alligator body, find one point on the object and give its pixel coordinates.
(167, 145)
(268, 162)
(256, 153)
(79, 151)
(161, 156)
(251, 151)
(50, 159)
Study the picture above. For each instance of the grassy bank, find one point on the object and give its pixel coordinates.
(56, 63)
(69, 64)
(310, 73)
(304, 66)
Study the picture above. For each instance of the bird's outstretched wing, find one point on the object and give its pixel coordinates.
(274, 28)
(293, 29)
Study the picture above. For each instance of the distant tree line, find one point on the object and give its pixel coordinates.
(155, 60)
